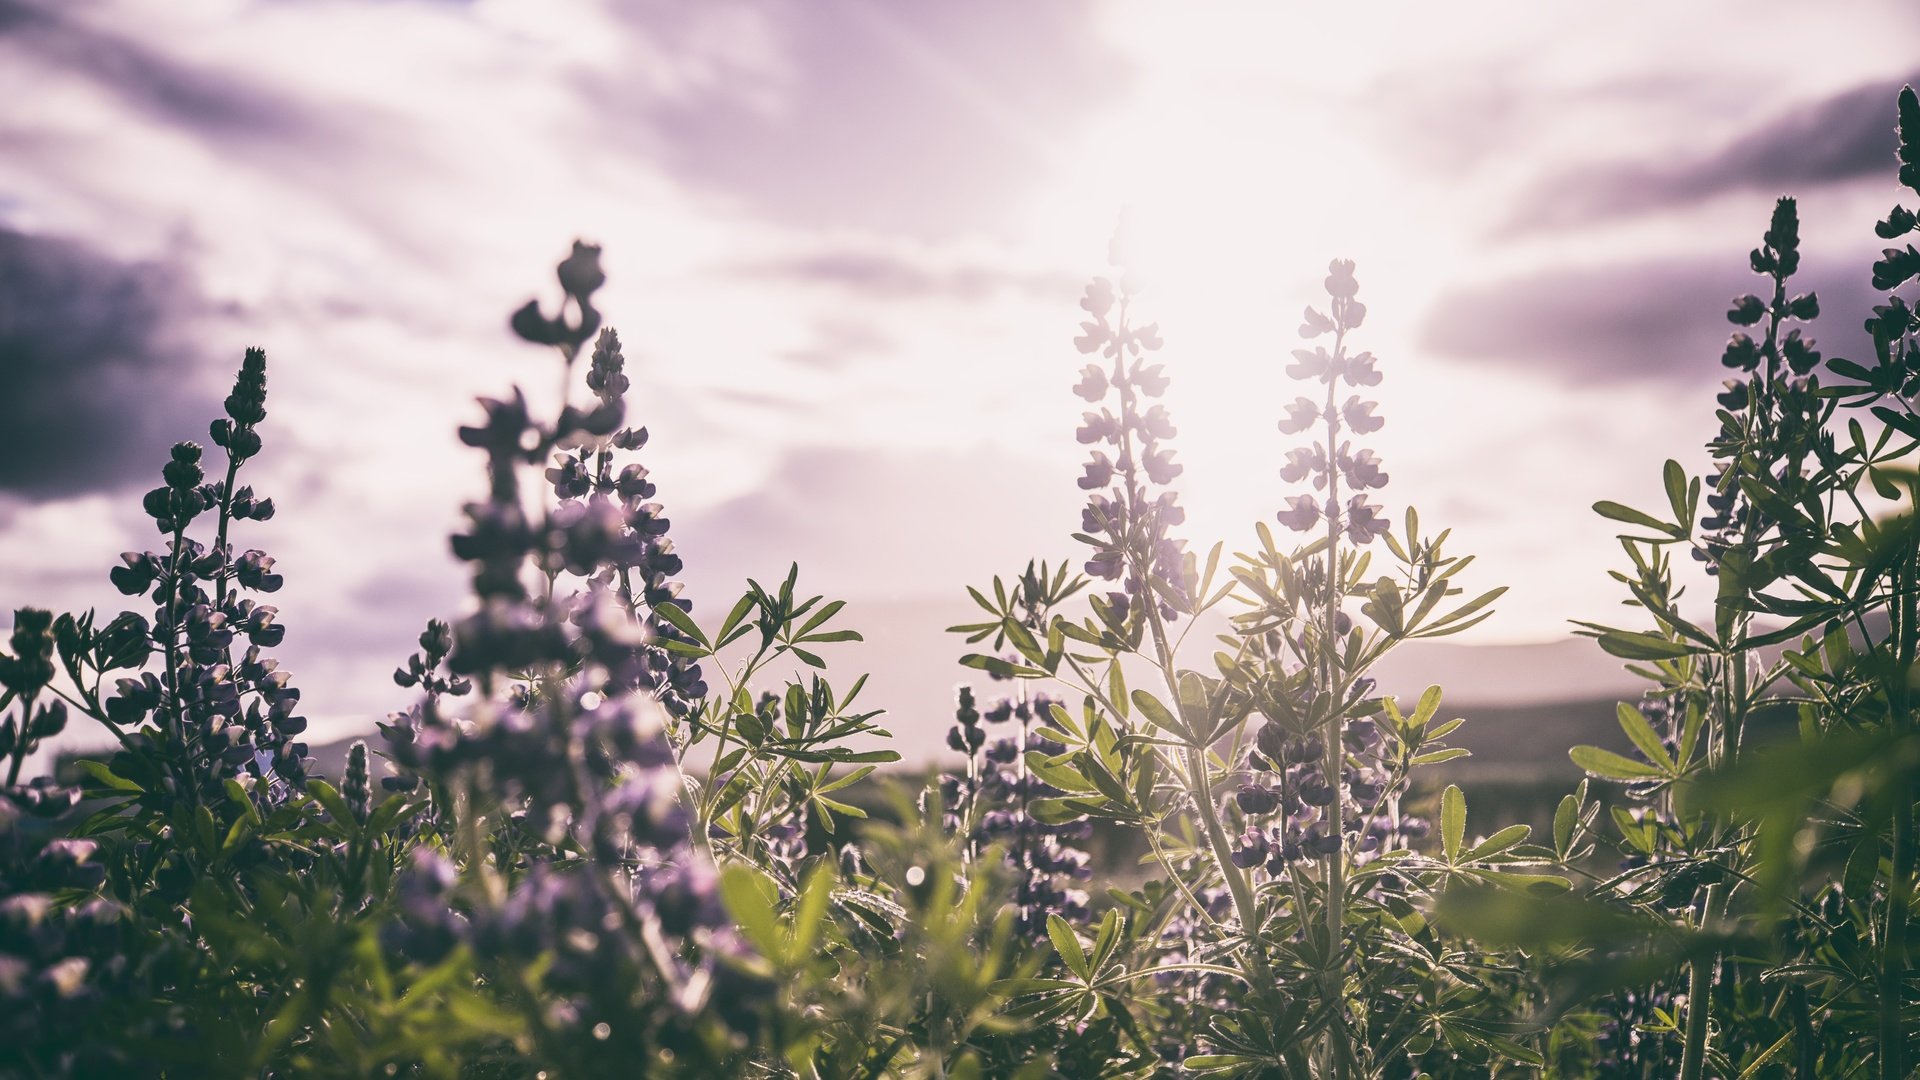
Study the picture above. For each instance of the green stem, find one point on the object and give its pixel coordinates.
(1199, 788)
(1335, 747)
(1699, 985)
(1893, 1038)
(1893, 946)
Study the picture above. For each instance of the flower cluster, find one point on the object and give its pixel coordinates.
(23, 677)
(63, 954)
(1772, 412)
(1129, 523)
(991, 803)
(1331, 459)
(634, 558)
(567, 731)
(1895, 324)
(217, 714)
(1289, 806)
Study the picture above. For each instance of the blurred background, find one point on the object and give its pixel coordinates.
(845, 242)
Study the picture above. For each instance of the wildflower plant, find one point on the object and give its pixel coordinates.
(1268, 788)
(1765, 880)
(992, 803)
(610, 837)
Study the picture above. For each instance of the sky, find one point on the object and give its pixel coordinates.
(845, 240)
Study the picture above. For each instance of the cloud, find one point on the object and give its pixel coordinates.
(145, 80)
(836, 344)
(885, 523)
(93, 382)
(1842, 137)
(1661, 320)
(927, 118)
(876, 273)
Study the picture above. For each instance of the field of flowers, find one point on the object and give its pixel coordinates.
(611, 839)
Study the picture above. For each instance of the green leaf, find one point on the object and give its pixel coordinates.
(999, 668)
(1023, 640)
(1629, 515)
(1057, 773)
(838, 807)
(1061, 811)
(827, 611)
(1638, 729)
(1529, 883)
(677, 617)
(827, 636)
(1068, 946)
(839, 782)
(809, 913)
(1159, 714)
(1497, 843)
(1629, 645)
(1565, 817)
(1675, 479)
(325, 794)
(1453, 821)
(739, 612)
(750, 897)
(1611, 766)
(107, 777)
(236, 835)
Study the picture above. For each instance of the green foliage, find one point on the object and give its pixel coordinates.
(617, 838)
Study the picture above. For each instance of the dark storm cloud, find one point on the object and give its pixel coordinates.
(1663, 320)
(923, 117)
(1843, 137)
(144, 79)
(93, 384)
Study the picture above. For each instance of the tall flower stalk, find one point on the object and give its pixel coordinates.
(1259, 910)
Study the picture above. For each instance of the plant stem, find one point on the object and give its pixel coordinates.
(1332, 987)
(1893, 945)
(1199, 789)
(1699, 984)
(1893, 1039)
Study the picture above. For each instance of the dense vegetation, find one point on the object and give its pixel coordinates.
(612, 841)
